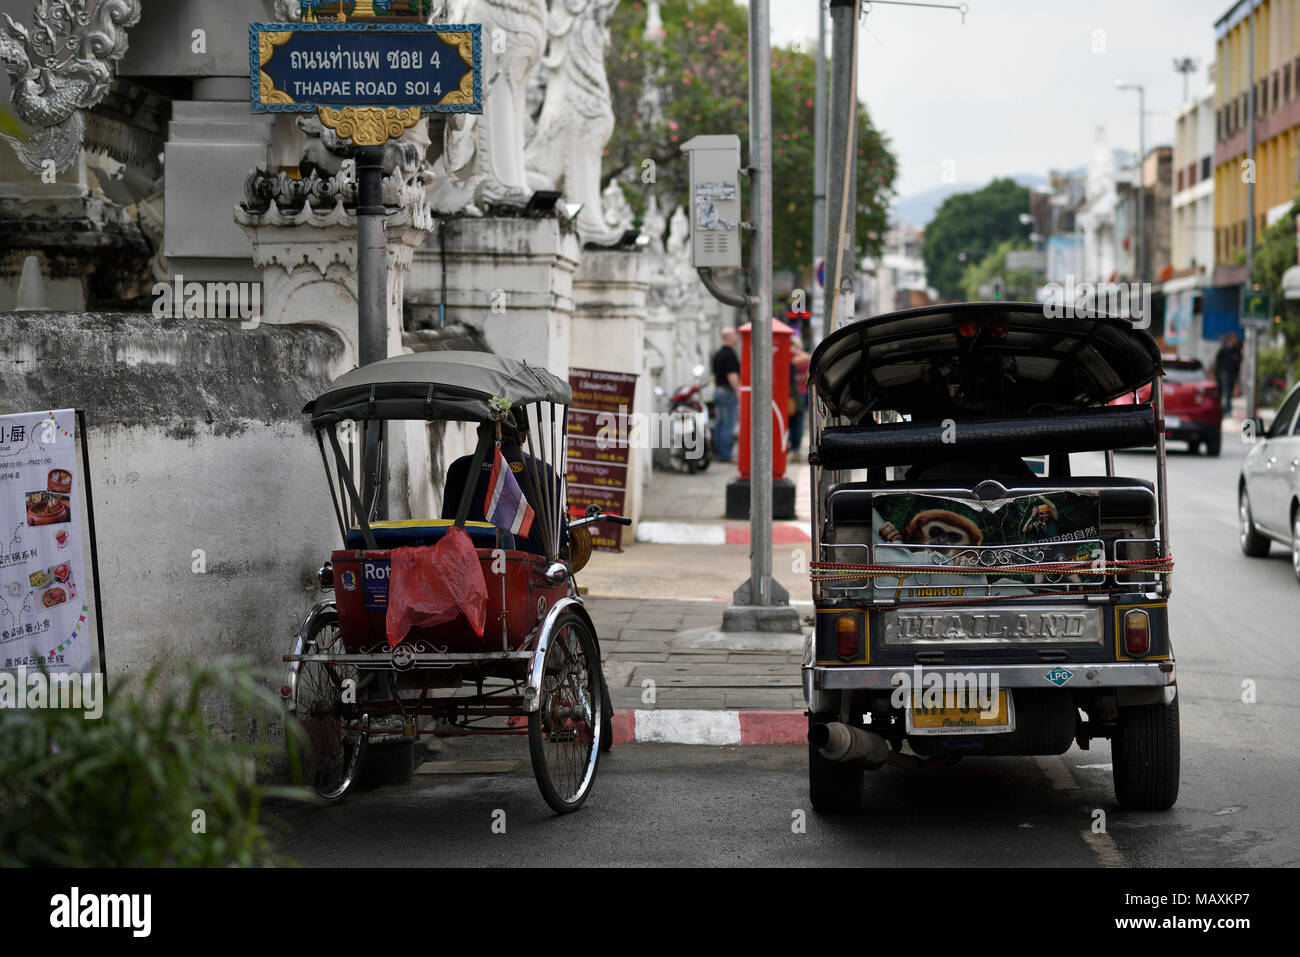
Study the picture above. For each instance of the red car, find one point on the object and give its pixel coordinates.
(1193, 409)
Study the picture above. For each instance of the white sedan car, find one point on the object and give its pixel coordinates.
(1268, 492)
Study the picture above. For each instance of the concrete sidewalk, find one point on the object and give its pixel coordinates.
(668, 653)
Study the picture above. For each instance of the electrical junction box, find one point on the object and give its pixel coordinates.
(715, 200)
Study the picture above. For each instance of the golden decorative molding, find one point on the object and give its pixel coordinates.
(463, 43)
(368, 125)
(266, 44)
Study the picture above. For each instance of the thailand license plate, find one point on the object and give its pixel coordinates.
(1173, 422)
(960, 713)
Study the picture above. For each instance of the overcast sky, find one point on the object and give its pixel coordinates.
(1018, 89)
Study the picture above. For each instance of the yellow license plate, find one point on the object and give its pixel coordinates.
(959, 714)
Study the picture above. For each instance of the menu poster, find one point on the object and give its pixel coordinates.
(597, 472)
(44, 609)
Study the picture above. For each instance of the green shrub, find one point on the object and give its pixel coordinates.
(1272, 362)
(127, 789)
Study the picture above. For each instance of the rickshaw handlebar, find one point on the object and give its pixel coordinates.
(601, 517)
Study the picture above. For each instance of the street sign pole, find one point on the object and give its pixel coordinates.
(372, 306)
(369, 82)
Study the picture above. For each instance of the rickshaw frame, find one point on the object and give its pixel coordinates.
(490, 390)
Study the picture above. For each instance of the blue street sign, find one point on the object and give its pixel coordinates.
(297, 67)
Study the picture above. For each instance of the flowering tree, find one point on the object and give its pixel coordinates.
(696, 81)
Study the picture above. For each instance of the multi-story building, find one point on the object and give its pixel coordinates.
(1276, 89)
(897, 279)
(1189, 328)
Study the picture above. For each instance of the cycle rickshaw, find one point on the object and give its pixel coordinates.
(510, 649)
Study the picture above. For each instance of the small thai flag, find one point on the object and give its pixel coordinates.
(505, 505)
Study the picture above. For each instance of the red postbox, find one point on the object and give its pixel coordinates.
(781, 334)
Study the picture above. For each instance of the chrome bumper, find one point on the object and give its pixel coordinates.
(818, 680)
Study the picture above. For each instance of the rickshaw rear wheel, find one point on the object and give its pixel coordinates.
(1145, 756)
(566, 732)
(332, 745)
(832, 786)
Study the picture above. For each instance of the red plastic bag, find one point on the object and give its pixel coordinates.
(432, 584)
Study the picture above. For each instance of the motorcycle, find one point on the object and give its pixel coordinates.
(690, 440)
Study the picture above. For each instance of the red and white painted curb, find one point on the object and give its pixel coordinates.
(669, 726)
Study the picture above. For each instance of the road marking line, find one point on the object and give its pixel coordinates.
(1103, 845)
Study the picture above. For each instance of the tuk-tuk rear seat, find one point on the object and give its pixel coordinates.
(1122, 499)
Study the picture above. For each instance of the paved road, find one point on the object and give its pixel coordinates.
(1235, 620)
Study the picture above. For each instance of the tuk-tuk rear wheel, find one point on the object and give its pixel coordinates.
(566, 732)
(1145, 756)
(832, 787)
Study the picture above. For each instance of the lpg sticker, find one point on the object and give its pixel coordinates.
(1059, 676)
(349, 580)
(374, 577)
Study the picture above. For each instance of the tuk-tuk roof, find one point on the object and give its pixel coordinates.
(957, 358)
(456, 386)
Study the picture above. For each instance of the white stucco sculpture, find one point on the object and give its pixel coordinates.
(491, 146)
(577, 118)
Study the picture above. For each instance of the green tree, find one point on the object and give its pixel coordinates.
(972, 224)
(1274, 254)
(1016, 285)
(699, 75)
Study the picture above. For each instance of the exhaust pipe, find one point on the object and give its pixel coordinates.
(837, 741)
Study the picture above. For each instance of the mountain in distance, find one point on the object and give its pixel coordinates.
(919, 209)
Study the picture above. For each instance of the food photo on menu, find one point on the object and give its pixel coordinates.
(52, 504)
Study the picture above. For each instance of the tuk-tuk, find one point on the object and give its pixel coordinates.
(976, 594)
(466, 624)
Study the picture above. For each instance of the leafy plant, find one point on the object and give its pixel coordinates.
(696, 81)
(150, 783)
(1016, 285)
(974, 224)
(1274, 254)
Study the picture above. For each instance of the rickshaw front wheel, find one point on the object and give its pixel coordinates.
(566, 732)
(332, 743)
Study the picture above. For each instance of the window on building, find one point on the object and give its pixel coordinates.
(1286, 82)
(1205, 167)
(1277, 85)
(1180, 180)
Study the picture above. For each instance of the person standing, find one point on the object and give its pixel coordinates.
(726, 395)
(1227, 369)
(799, 361)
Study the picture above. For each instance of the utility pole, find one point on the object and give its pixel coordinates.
(841, 154)
(760, 265)
(1186, 66)
(842, 151)
(1252, 333)
(819, 178)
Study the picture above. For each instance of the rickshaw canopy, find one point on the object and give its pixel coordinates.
(979, 358)
(455, 386)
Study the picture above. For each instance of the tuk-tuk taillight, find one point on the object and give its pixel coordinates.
(1137, 632)
(967, 328)
(846, 636)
